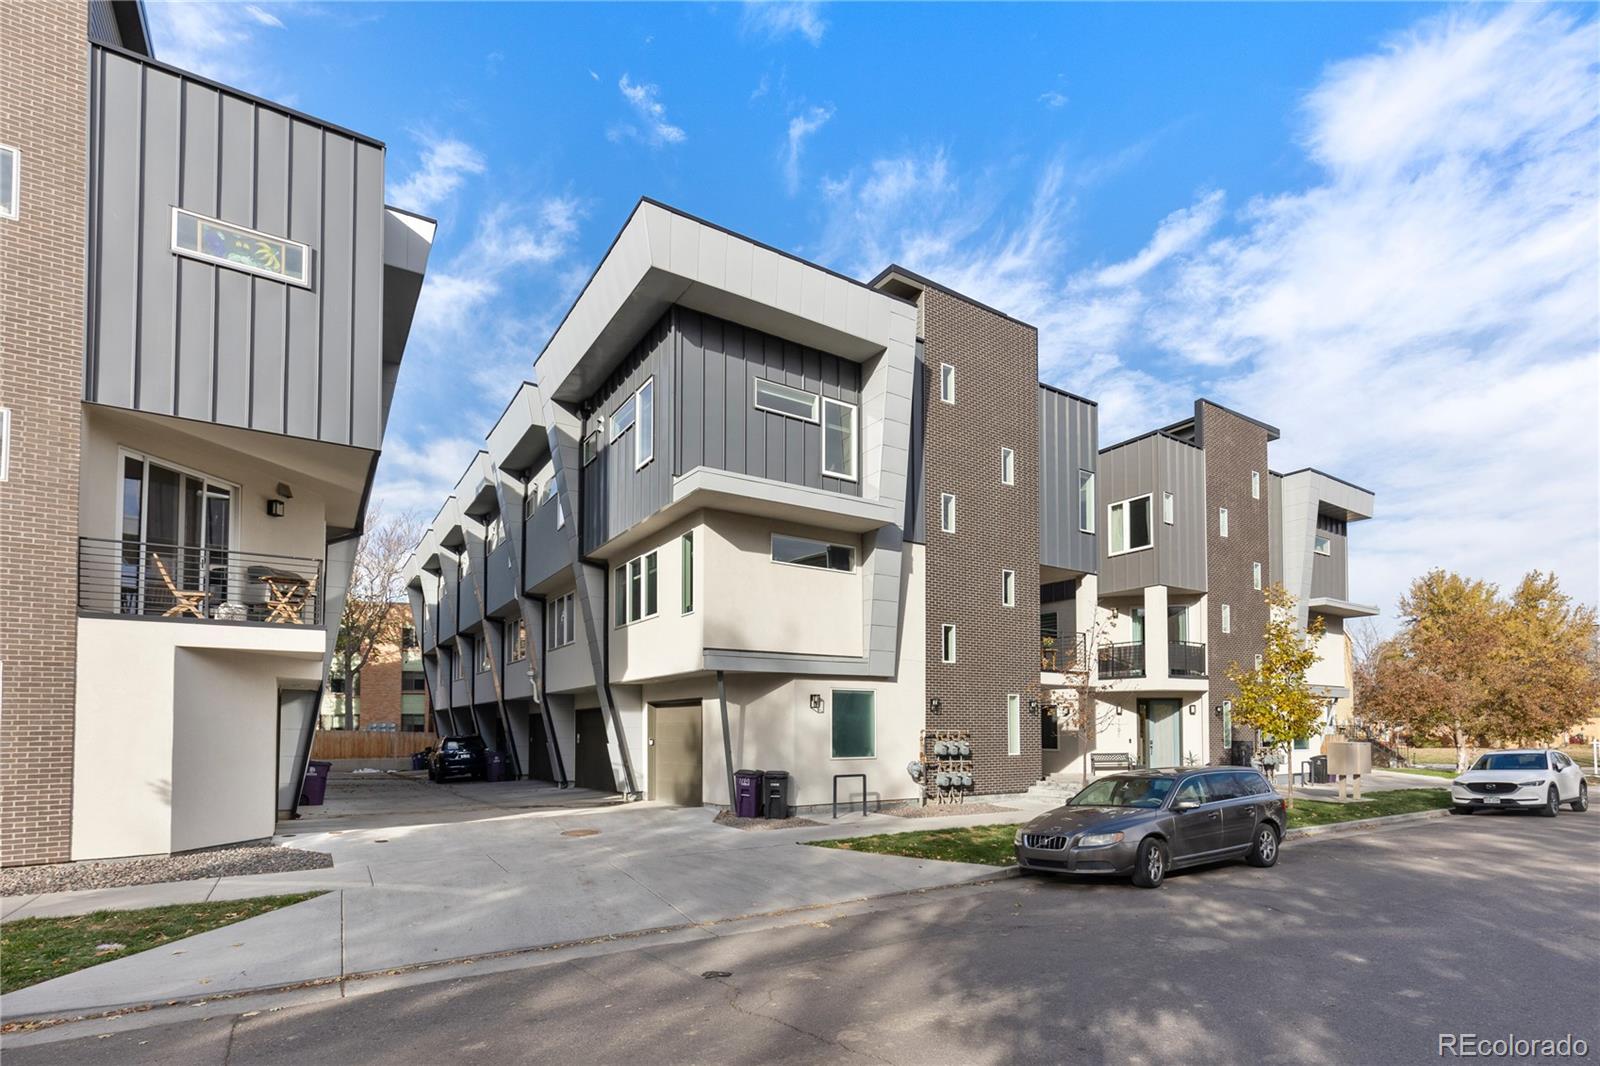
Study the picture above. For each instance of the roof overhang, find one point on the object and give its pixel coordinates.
(475, 492)
(1335, 497)
(519, 443)
(1340, 608)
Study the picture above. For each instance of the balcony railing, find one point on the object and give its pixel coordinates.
(141, 579)
(1121, 660)
(1063, 655)
(1185, 658)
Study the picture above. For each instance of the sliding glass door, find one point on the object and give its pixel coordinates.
(177, 529)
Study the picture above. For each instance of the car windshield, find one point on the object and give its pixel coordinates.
(1124, 792)
(1511, 760)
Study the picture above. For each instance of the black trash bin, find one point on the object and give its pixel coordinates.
(1243, 753)
(747, 794)
(775, 787)
(315, 787)
(1319, 770)
(494, 766)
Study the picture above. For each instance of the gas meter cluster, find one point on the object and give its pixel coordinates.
(946, 765)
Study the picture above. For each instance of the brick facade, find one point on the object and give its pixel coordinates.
(1234, 447)
(43, 97)
(381, 693)
(996, 360)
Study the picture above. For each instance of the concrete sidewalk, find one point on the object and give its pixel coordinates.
(404, 895)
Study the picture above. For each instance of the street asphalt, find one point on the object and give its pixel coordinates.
(1360, 949)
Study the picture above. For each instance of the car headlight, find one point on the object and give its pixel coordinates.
(1533, 784)
(1017, 837)
(1099, 840)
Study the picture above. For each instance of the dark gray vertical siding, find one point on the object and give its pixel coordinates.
(615, 494)
(1153, 465)
(1068, 443)
(916, 486)
(1126, 472)
(103, 23)
(173, 335)
(1329, 573)
(718, 423)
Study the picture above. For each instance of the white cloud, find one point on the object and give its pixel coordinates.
(446, 163)
(214, 40)
(652, 113)
(775, 20)
(419, 472)
(264, 17)
(1420, 318)
(801, 126)
(1053, 99)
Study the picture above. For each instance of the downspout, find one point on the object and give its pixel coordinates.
(727, 737)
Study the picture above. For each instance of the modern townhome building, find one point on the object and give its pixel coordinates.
(203, 307)
(750, 513)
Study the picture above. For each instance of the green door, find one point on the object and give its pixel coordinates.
(1163, 732)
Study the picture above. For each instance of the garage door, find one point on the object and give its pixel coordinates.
(593, 760)
(675, 754)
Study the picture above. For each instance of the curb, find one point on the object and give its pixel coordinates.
(1312, 832)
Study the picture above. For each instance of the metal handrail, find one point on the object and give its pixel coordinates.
(1186, 658)
(1063, 655)
(155, 579)
(1122, 660)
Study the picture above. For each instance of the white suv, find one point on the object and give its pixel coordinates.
(1536, 778)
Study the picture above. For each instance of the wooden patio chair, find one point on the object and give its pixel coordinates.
(184, 600)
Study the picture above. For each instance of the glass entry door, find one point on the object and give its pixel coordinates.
(177, 529)
(1161, 726)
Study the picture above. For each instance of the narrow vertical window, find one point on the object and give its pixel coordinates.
(688, 572)
(1255, 484)
(1013, 724)
(619, 597)
(947, 383)
(947, 645)
(635, 589)
(1227, 619)
(1008, 466)
(1168, 506)
(1227, 723)
(1258, 664)
(644, 437)
(947, 512)
(649, 586)
(5, 443)
(1008, 588)
(838, 439)
(1222, 521)
(10, 180)
(1255, 575)
(1086, 501)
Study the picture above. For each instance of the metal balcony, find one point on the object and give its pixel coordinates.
(1063, 655)
(1185, 658)
(142, 579)
(1121, 661)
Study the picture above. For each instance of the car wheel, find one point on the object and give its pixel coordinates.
(433, 775)
(1582, 802)
(1461, 808)
(1150, 868)
(1552, 803)
(1264, 852)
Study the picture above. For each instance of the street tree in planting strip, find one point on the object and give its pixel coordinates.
(1275, 698)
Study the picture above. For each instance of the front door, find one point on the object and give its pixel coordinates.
(675, 754)
(1161, 732)
(593, 756)
(1049, 729)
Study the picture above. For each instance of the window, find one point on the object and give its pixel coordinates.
(1129, 523)
(464, 561)
(1008, 588)
(494, 534)
(801, 551)
(458, 669)
(782, 400)
(687, 549)
(1086, 501)
(413, 713)
(1255, 575)
(947, 643)
(839, 439)
(1323, 545)
(560, 621)
(1227, 619)
(947, 383)
(5, 443)
(622, 418)
(10, 180)
(644, 442)
(413, 681)
(1167, 508)
(1008, 466)
(482, 644)
(1255, 484)
(635, 590)
(530, 501)
(854, 725)
(1258, 664)
(947, 512)
(1222, 521)
(1227, 722)
(1191, 791)
(591, 446)
(519, 641)
(1013, 724)
(214, 241)
(408, 637)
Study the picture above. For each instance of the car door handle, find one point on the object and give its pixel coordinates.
(1214, 815)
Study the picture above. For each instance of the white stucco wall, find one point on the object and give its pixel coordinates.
(671, 642)
(175, 745)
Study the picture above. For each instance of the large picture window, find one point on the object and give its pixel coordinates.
(1128, 524)
(635, 590)
(782, 400)
(224, 244)
(802, 551)
(839, 439)
(854, 725)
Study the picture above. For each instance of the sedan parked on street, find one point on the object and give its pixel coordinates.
(1536, 779)
(459, 757)
(1145, 823)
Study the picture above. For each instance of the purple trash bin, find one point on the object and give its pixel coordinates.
(494, 766)
(747, 794)
(315, 787)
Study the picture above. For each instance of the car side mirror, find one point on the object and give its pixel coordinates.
(1186, 805)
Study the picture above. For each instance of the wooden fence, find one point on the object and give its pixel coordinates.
(355, 744)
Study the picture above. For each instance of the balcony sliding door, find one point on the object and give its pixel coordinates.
(177, 529)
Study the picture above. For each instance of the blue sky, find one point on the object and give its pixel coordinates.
(1374, 226)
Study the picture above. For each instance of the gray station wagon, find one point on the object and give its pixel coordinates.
(1144, 823)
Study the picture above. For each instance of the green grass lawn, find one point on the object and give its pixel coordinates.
(37, 949)
(1421, 771)
(1578, 753)
(990, 845)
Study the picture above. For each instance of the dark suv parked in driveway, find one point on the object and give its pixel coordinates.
(1150, 821)
(459, 757)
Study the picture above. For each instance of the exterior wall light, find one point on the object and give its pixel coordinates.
(275, 508)
(934, 703)
(816, 702)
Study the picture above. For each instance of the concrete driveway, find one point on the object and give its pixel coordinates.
(488, 879)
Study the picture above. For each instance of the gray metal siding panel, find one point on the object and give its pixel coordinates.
(1127, 472)
(1329, 573)
(1275, 528)
(916, 484)
(616, 493)
(173, 335)
(1181, 547)
(1068, 441)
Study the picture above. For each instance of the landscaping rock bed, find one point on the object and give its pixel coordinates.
(229, 861)
(729, 819)
(944, 810)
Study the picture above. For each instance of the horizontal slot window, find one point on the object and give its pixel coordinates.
(782, 400)
(799, 551)
(214, 241)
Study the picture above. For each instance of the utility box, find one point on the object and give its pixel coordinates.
(1348, 758)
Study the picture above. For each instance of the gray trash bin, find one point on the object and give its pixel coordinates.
(1319, 770)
